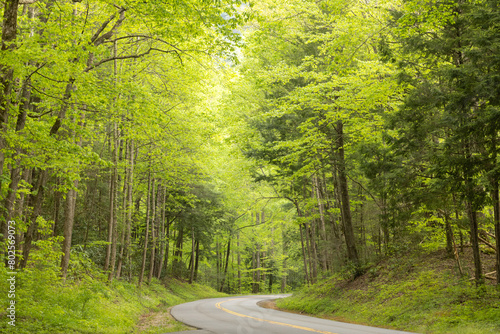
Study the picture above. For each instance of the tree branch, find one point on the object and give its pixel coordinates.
(96, 39)
(103, 61)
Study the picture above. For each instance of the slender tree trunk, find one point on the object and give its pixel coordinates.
(239, 261)
(123, 233)
(496, 213)
(350, 240)
(15, 176)
(9, 34)
(218, 260)
(478, 271)
(449, 234)
(307, 269)
(283, 277)
(146, 233)
(113, 221)
(257, 267)
(68, 228)
(495, 198)
(304, 257)
(193, 251)
(224, 275)
(167, 245)
(472, 214)
(153, 235)
(36, 201)
(254, 274)
(162, 232)
(323, 249)
(455, 251)
(69, 221)
(196, 263)
(178, 264)
(130, 206)
(311, 250)
(57, 210)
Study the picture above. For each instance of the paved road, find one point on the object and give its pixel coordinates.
(242, 315)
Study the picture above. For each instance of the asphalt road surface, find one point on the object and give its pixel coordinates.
(242, 315)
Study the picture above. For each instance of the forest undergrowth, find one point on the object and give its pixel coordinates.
(87, 303)
(420, 292)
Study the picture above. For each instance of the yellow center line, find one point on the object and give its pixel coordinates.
(218, 305)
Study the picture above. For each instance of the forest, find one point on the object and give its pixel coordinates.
(250, 146)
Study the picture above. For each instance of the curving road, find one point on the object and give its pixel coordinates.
(242, 315)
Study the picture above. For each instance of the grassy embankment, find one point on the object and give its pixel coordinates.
(419, 293)
(95, 307)
(85, 302)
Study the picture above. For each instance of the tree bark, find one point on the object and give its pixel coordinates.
(36, 198)
(239, 261)
(126, 184)
(178, 266)
(196, 263)
(15, 176)
(224, 275)
(162, 232)
(193, 253)
(113, 223)
(153, 235)
(9, 34)
(323, 249)
(167, 245)
(146, 234)
(496, 213)
(304, 256)
(68, 228)
(345, 209)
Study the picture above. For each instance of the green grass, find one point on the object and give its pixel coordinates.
(85, 303)
(422, 299)
(95, 307)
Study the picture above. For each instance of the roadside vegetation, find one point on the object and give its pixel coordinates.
(86, 303)
(421, 292)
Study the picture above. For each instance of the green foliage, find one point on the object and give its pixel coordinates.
(86, 303)
(407, 296)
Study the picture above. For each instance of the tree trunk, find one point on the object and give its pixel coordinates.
(15, 176)
(167, 246)
(257, 267)
(193, 251)
(196, 263)
(478, 270)
(345, 209)
(162, 232)
(36, 201)
(496, 213)
(283, 277)
(311, 250)
(323, 249)
(68, 228)
(472, 214)
(239, 261)
(113, 221)
(254, 274)
(178, 265)
(153, 234)
(224, 275)
(9, 33)
(449, 234)
(124, 215)
(304, 256)
(130, 206)
(146, 233)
